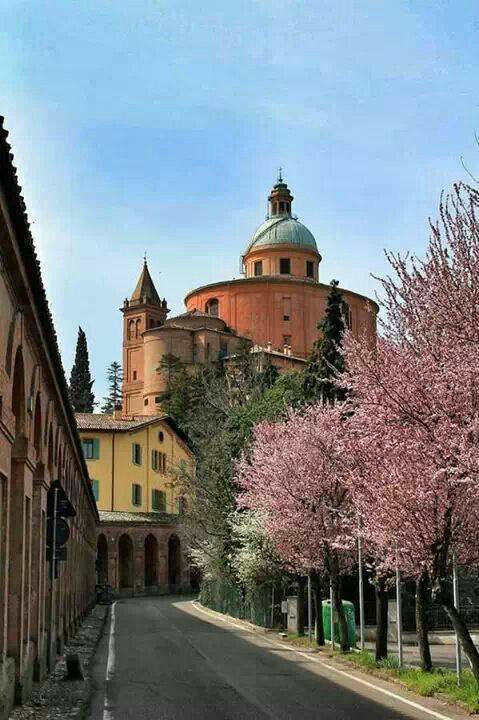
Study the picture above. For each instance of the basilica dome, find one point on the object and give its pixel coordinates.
(282, 230)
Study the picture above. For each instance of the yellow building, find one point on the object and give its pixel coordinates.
(134, 464)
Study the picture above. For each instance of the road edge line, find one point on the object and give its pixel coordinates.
(314, 658)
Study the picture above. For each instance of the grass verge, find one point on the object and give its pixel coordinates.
(438, 682)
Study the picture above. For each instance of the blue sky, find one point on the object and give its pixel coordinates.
(159, 125)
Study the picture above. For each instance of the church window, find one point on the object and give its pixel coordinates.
(281, 207)
(258, 268)
(137, 329)
(146, 401)
(134, 374)
(309, 268)
(158, 399)
(347, 315)
(161, 437)
(131, 329)
(285, 266)
(286, 308)
(213, 307)
(287, 340)
(223, 350)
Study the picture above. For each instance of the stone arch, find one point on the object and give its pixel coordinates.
(174, 561)
(125, 562)
(47, 419)
(11, 340)
(151, 560)
(37, 426)
(18, 393)
(50, 449)
(130, 332)
(102, 559)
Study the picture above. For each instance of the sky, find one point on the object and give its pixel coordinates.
(159, 125)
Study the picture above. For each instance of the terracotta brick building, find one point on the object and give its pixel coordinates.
(39, 445)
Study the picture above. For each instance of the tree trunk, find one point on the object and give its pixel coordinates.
(381, 620)
(335, 579)
(318, 608)
(301, 601)
(463, 634)
(343, 625)
(443, 595)
(422, 602)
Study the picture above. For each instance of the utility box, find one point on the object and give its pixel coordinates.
(350, 622)
(293, 614)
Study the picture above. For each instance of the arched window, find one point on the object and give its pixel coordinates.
(347, 316)
(131, 330)
(137, 328)
(213, 307)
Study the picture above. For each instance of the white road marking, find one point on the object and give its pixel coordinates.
(110, 665)
(313, 658)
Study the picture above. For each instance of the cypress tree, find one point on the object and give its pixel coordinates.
(81, 396)
(114, 376)
(326, 359)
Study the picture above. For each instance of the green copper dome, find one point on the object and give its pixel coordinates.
(282, 230)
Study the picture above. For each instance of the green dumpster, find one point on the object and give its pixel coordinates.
(350, 621)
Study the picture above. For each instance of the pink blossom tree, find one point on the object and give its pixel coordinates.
(415, 412)
(293, 474)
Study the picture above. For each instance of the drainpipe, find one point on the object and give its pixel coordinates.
(113, 471)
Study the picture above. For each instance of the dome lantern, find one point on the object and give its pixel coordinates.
(280, 198)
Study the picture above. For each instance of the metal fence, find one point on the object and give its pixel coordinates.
(256, 607)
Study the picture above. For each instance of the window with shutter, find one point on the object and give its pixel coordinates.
(136, 494)
(136, 454)
(95, 485)
(158, 500)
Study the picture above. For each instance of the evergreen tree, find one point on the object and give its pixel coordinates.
(81, 396)
(113, 399)
(326, 360)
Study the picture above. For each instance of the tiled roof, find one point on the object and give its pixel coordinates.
(102, 422)
(151, 518)
(98, 421)
(18, 213)
(145, 290)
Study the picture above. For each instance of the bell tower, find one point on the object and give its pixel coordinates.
(280, 198)
(143, 311)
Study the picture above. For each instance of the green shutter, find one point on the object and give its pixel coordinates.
(133, 495)
(96, 449)
(162, 502)
(133, 453)
(96, 489)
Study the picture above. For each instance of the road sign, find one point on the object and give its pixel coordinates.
(62, 533)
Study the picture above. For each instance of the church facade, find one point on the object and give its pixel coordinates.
(275, 308)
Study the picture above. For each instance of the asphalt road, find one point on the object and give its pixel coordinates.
(166, 659)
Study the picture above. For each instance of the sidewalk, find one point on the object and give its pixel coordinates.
(442, 655)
